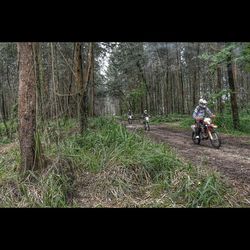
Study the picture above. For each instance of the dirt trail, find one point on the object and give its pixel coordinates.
(232, 160)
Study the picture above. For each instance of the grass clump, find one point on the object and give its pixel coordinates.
(107, 166)
(108, 147)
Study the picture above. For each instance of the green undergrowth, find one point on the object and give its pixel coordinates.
(127, 168)
(11, 133)
(107, 145)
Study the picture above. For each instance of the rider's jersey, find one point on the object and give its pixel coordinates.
(201, 112)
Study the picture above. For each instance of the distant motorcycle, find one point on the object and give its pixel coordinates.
(130, 119)
(207, 132)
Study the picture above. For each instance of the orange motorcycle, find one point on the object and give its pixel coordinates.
(207, 131)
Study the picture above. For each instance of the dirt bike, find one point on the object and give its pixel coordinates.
(130, 119)
(146, 123)
(207, 131)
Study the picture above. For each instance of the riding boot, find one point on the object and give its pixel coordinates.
(197, 130)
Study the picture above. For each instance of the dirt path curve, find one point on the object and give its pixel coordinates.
(232, 160)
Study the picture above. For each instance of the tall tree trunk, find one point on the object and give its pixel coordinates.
(27, 105)
(3, 111)
(54, 84)
(39, 80)
(198, 72)
(233, 98)
(82, 81)
(86, 81)
(78, 79)
(171, 93)
(219, 88)
(92, 90)
(71, 112)
(8, 77)
(194, 90)
(168, 91)
(59, 87)
(182, 92)
(180, 78)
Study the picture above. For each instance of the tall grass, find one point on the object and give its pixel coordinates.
(5, 137)
(108, 144)
(50, 187)
(116, 167)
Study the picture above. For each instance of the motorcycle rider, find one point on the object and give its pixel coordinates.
(199, 114)
(145, 114)
(129, 112)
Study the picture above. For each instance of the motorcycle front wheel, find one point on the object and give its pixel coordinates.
(215, 140)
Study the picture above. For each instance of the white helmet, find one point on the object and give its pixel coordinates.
(202, 103)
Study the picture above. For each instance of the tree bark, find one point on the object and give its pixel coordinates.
(4, 116)
(78, 78)
(82, 81)
(233, 97)
(219, 88)
(27, 105)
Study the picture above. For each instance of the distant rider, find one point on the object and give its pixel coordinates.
(199, 114)
(145, 114)
(130, 115)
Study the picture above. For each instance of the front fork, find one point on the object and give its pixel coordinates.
(210, 134)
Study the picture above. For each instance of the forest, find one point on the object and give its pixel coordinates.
(67, 138)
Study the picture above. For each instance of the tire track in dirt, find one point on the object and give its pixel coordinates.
(232, 160)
